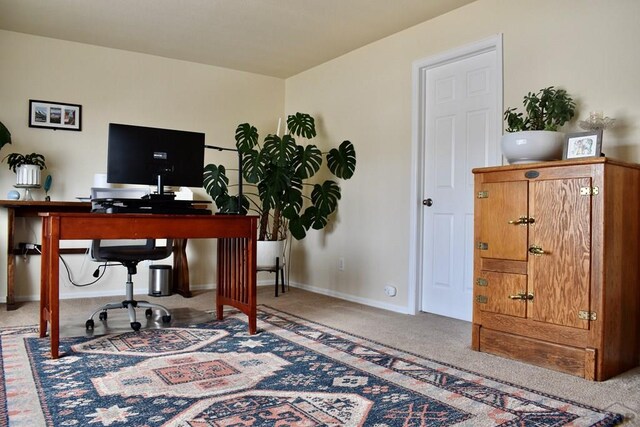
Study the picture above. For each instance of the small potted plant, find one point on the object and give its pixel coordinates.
(534, 136)
(27, 167)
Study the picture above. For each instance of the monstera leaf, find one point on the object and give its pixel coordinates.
(5, 135)
(302, 124)
(253, 166)
(246, 137)
(342, 160)
(325, 197)
(308, 161)
(215, 181)
(279, 150)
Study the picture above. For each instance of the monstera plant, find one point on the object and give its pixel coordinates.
(5, 135)
(279, 173)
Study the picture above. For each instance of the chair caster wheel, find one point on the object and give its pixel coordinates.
(103, 315)
(89, 325)
(136, 326)
(166, 319)
(148, 313)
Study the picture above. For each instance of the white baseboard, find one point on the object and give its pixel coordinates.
(142, 290)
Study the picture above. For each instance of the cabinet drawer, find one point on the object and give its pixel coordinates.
(493, 291)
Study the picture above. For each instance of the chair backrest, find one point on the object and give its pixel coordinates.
(130, 249)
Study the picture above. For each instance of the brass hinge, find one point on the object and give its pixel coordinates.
(482, 299)
(483, 194)
(482, 246)
(589, 191)
(482, 282)
(587, 315)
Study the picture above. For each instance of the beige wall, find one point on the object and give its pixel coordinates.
(588, 47)
(123, 87)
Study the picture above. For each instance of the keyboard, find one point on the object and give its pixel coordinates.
(149, 206)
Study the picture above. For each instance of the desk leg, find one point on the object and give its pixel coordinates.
(11, 259)
(180, 268)
(44, 279)
(236, 278)
(50, 271)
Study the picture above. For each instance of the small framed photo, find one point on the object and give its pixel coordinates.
(55, 115)
(583, 144)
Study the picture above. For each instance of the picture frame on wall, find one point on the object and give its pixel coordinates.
(583, 144)
(55, 115)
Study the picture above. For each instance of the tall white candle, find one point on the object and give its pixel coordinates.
(278, 131)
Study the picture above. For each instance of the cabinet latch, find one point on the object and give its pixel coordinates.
(589, 191)
(482, 299)
(482, 246)
(522, 296)
(587, 315)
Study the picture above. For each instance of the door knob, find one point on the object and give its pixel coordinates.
(427, 202)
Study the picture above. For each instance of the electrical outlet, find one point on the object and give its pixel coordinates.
(341, 264)
(390, 290)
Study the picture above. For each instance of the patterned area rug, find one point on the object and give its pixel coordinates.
(292, 373)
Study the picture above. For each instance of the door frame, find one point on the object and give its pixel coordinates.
(416, 222)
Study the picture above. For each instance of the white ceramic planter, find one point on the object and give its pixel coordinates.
(532, 146)
(28, 175)
(268, 250)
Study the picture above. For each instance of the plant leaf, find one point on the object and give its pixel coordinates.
(342, 160)
(5, 135)
(302, 124)
(307, 161)
(280, 150)
(215, 182)
(325, 197)
(246, 137)
(253, 166)
(297, 227)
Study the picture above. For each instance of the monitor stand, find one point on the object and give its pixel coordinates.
(160, 195)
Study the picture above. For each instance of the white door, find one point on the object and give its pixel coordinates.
(461, 131)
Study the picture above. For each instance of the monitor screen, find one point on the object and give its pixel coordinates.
(154, 156)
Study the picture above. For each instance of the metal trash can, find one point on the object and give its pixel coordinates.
(159, 280)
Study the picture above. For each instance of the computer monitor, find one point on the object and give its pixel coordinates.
(155, 156)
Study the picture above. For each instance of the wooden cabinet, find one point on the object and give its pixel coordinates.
(557, 265)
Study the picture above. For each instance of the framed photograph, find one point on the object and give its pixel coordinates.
(55, 115)
(583, 144)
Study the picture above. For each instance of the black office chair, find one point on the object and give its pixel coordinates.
(130, 256)
(128, 253)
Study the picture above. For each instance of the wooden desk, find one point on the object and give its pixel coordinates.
(30, 208)
(236, 254)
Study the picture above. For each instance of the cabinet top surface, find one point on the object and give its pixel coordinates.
(557, 163)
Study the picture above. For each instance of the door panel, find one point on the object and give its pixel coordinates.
(562, 229)
(504, 202)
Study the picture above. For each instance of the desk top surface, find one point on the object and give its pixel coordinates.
(43, 204)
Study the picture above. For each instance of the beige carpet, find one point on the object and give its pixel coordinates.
(440, 338)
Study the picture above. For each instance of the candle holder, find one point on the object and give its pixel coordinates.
(596, 121)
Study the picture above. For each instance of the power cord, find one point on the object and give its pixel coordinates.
(96, 273)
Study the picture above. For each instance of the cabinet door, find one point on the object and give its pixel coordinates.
(559, 278)
(502, 204)
(498, 292)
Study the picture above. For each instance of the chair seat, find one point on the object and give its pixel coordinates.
(130, 253)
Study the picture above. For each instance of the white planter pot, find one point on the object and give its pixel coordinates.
(268, 250)
(532, 146)
(28, 175)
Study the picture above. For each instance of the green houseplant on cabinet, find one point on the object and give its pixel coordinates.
(534, 136)
(277, 173)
